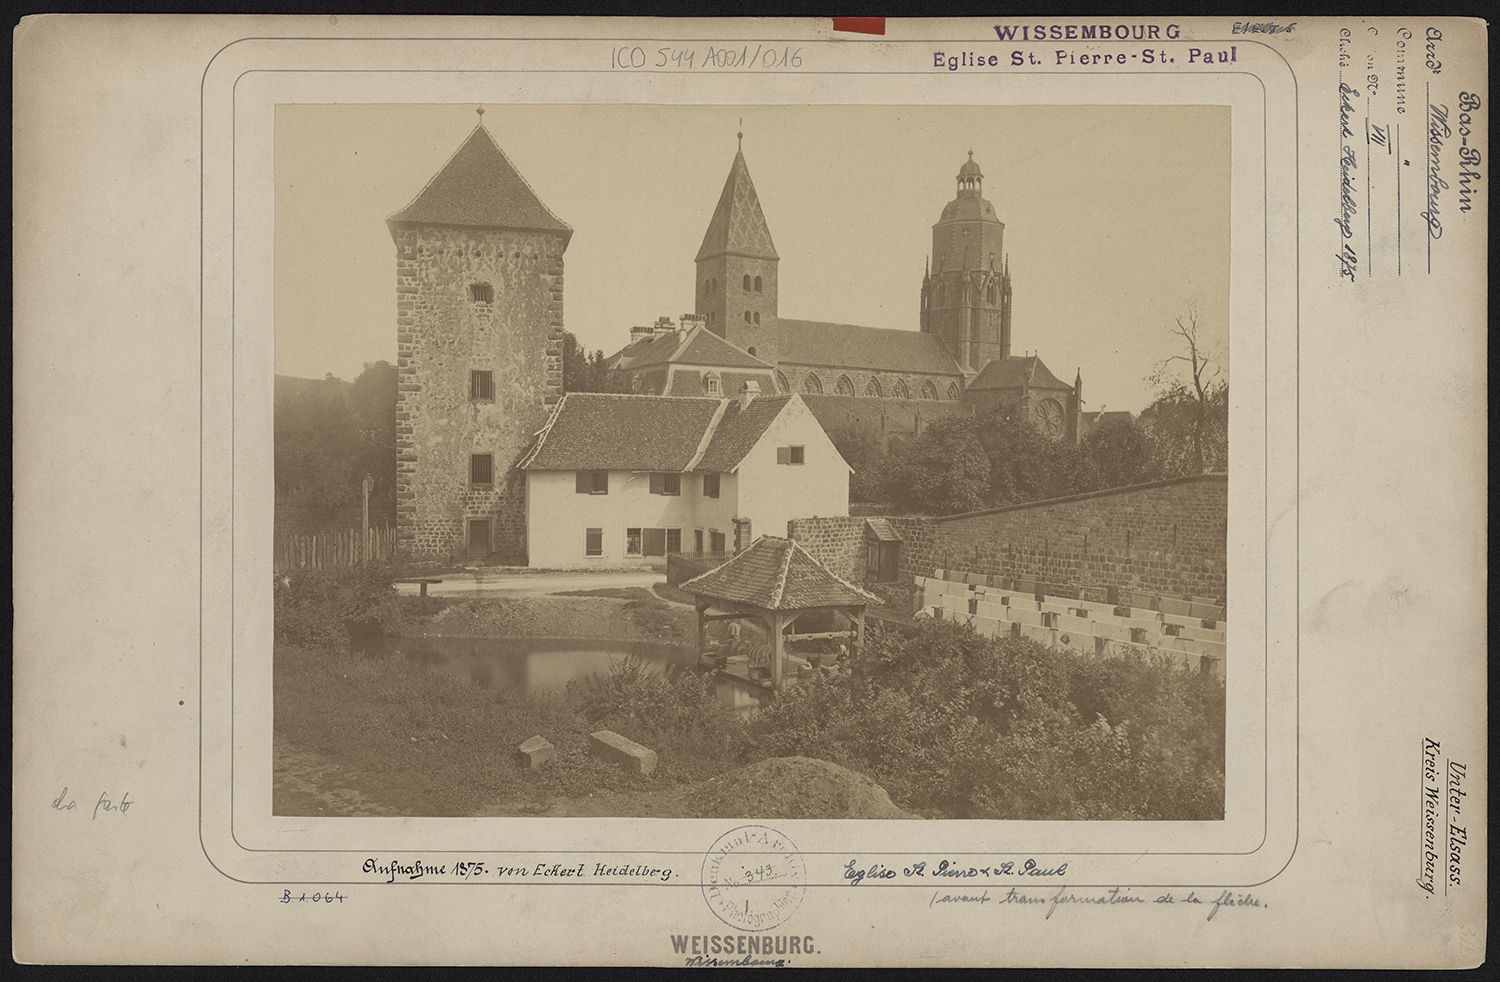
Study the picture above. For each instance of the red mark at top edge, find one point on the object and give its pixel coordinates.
(860, 25)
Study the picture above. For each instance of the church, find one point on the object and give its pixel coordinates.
(958, 361)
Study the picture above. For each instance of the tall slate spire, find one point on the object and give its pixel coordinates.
(738, 227)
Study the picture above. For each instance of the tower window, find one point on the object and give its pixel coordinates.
(757, 284)
(481, 293)
(747, 282)
(756, 315)
(481, 468)
(747, 317)
(751, 349)
(481, 386)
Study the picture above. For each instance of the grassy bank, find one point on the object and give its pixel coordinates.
(950, 723)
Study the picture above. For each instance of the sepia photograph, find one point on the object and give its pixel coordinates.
(867, 463)
(765, 489)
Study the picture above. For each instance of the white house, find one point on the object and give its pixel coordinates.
(614, 479)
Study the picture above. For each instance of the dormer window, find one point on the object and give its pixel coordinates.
(715, 387)
(481, 293)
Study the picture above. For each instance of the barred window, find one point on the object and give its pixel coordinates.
(482, 386)
(481, 468)
(481, 292)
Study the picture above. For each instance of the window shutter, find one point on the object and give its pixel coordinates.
(601, 482)
(656, 542)
(783, 455)
(658, 484)
(583, 482)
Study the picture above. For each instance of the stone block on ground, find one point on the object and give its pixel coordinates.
(627, 753)
(536, 752)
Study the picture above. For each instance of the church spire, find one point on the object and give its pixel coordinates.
(738, 226)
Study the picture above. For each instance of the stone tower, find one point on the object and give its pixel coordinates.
(966, 290)
(479, 314)
(737, 262)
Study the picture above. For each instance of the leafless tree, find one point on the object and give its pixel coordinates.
(1198, 393)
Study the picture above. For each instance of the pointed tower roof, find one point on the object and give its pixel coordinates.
(480, 188)
(738, 226)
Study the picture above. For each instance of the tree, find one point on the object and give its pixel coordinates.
(1116, 454)
(1194, 409)
(861, 445)
(1024, 464)
(943, 471)
(585, 371)
(329, 435)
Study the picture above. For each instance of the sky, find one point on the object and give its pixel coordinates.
(1116, 218)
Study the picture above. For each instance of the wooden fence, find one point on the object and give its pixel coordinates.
(327, 549)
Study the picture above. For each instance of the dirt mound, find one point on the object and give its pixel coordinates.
(792, 787)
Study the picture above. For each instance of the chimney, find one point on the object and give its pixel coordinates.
(692, 320)
(664, 325)
(748, 392)
(637, 333)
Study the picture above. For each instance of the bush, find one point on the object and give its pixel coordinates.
(957, 725)
(320, 608)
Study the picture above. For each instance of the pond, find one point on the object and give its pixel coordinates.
(543, 666)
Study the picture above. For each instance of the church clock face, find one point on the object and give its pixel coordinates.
(1049, 418)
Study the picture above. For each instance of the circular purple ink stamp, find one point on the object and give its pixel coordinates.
(753, 878)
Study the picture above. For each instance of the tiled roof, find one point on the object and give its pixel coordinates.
(695, 346)
(1011, 373)
(599, 431)
(738, 226)
(690, 381)
(739, 431)
(778, 574)
(480, 188)
(881, 529)
(870, 348)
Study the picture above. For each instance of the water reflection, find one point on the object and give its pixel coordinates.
(544, 666)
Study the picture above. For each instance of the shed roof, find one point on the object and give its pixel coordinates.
(778, 574)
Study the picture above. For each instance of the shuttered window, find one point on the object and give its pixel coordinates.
(666, 484)
(593, 542)
(654, 541)
(710, 485)
(591, 482)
